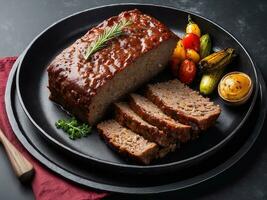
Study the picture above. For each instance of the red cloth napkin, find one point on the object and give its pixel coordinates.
(46, 185)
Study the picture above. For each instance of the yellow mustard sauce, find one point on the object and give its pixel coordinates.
(235, 86)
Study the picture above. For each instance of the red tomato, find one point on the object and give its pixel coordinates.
(191, 41)
(187, 71)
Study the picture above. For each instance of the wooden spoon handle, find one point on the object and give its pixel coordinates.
(22, 167)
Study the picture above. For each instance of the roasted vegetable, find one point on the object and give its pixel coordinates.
(179, 52)
(217, 60)
(191, 41)
(192, 27)
(192, 55)
(177, 57)
(187, 71)
(209, 81)
(205, 46)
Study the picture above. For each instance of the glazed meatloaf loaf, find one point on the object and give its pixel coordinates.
(184, 104)
(86, 87)
(153, 115)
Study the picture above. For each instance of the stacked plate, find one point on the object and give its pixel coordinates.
(89, 161)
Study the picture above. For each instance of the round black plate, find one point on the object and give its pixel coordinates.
(86, 175)
(33, 93)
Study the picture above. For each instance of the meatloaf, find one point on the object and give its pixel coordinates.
(128, 118)
(152, 114)
(86, 87)
(127, 142)
(184, 104)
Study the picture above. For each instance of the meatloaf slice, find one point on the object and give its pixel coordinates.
(86, 87)
(184, 104)
(127, 117)
(152, 114)
(127, 142)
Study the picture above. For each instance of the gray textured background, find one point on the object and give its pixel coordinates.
(21, 21)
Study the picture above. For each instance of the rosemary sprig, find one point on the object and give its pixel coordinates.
(73, 128)
(107, 35)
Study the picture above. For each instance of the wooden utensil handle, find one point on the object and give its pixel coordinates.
(22, 167)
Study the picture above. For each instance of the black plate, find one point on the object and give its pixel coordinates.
(87, 175)
(33, 92)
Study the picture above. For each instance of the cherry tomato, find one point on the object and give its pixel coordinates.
(179, 51)
(192, 55)
(191, 41)
(192, 27)
(177, 57)
(187, 71)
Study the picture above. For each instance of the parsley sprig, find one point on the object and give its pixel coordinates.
(107, 35)
(73, 128)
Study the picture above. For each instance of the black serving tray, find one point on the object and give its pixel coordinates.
(31, 85)
(86, 174)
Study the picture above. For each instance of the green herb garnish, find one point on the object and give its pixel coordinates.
(108, 34)
(73, 128)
